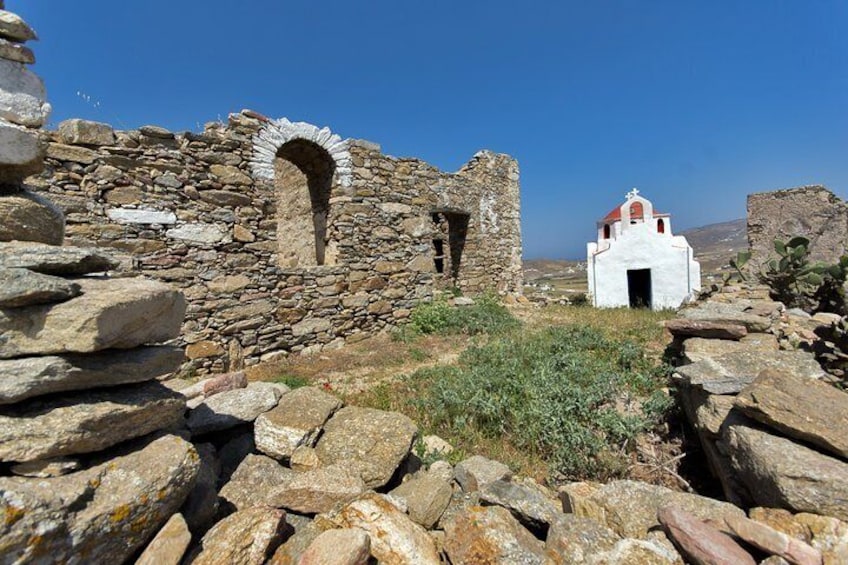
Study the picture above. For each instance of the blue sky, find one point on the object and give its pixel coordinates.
(695, 103)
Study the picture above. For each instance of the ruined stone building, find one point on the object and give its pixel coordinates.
(284, 236)
(638, 262)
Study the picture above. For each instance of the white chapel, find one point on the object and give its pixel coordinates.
(637, 262)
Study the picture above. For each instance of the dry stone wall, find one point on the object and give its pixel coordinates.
(283, 236)
(811, 211)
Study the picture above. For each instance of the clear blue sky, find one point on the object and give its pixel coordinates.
(695, 103)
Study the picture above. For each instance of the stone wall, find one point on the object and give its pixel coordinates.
(811, 211)
(283, 236)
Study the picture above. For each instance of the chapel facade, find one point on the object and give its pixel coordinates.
(638, 262)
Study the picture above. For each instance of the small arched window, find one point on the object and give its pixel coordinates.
(660, 226)
(606, 231)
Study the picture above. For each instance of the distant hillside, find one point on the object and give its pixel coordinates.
(714, 246)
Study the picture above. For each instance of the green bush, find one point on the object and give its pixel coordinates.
(486, 315)
(553, 393)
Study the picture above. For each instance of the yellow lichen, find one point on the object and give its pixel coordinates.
(12, 514)
(120, 513)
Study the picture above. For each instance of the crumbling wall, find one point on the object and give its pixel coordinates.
(811, 211)
(283, 236)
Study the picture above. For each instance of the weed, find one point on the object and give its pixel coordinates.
(486, 315)
(292, 381)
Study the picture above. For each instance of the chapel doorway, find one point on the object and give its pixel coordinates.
(639, 287)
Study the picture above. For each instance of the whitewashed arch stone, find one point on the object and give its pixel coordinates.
(277, 133)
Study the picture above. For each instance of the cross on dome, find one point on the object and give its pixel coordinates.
(632, 194)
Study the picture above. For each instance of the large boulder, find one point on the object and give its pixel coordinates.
(86, 421)
(296, 420)
(26, 216)
(426, 497)
(22, 287)
(85, 132)
(253, 482)
(22, 96)
(804, 409)
(491, 535)
(630, 508)
(53, 260)
(27, 377)
(372, 442)
(247, 537)
(395, 539)
(110, 313)
(22, 154)
(318, 490)
(232, 407)
(104, 513)
(783, 474)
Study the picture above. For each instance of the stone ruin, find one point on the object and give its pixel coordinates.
(811, 211)
(284, 237)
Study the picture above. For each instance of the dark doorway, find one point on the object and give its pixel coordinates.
(639, 287)
(450, 229)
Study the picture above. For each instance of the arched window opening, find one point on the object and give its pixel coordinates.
(660, 226)
(303, 180)
(606, 231)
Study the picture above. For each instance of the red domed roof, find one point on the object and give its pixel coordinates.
(615, 213)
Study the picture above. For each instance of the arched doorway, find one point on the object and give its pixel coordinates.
(660, 226)
(303, 177)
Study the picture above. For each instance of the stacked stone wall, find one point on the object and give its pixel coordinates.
(201, 212)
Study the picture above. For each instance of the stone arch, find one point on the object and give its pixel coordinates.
(276, 133)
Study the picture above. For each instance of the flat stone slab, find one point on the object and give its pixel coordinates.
(13, 27)
(110, 313)
(85, 132)
(21, 155)
(724, 313)
(529, 505)
(317, 490)
(701, 542)
(233, 407)
(296, 421)
(169, 545)
(22, 287)
(697, 348)
(54, 259)
(28, 377)
(730, 373)
(373, 442)
(706, 329)
(87, 421)
(105, 513)
(572, 538)
(141, 216)
(29, 217)
(253, 482)
(780, 473)
(247, 537)
(802, 408)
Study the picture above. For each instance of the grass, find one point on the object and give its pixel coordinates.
(561, 396)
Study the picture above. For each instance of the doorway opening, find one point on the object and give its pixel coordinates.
(639, 287)
(453, 227)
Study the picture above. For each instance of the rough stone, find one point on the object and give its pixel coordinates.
(783, 474)
(232, 407)
(638, 552)
(772, 541)
(700, 542)
(630, 508)
(801, 408)
(21, 153)
(296, 421)
(345, 546)
(395, 539)
(253, 482)
(697, 348)
(46, 468)
(110, 313)
(529, 505)
(705, 329)
(22, 287)
(169, 545)
(14, 28)
(203, 349)
(16, 52)
(87, 421)
(234, 451)
(572, 539)
(85, 132)
(491, 535)
(426, 498)
(214, 385)
(318, 490)
(372, 442)
(198, 233)
(247, 537)
(27, 377)
(476, 472)
(228, 174)
(22, 96)
(141, 216)
(104, 513)
(53, 260)
(730, 373)
(25, 216)
(304, 458)
(292, 549)
(724, 313)
(72, 153)
(201, 505)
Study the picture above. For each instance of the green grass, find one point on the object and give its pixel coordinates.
(486, 315)
(292, 381)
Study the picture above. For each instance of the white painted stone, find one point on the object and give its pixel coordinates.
(636, 243)
(277, 133)
(141, 216)
(22, 96)
(201, 233)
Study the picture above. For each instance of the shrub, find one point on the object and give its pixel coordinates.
(486, 315)
(553, 393)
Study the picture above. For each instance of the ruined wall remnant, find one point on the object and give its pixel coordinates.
(811, 211)
(282, 235)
